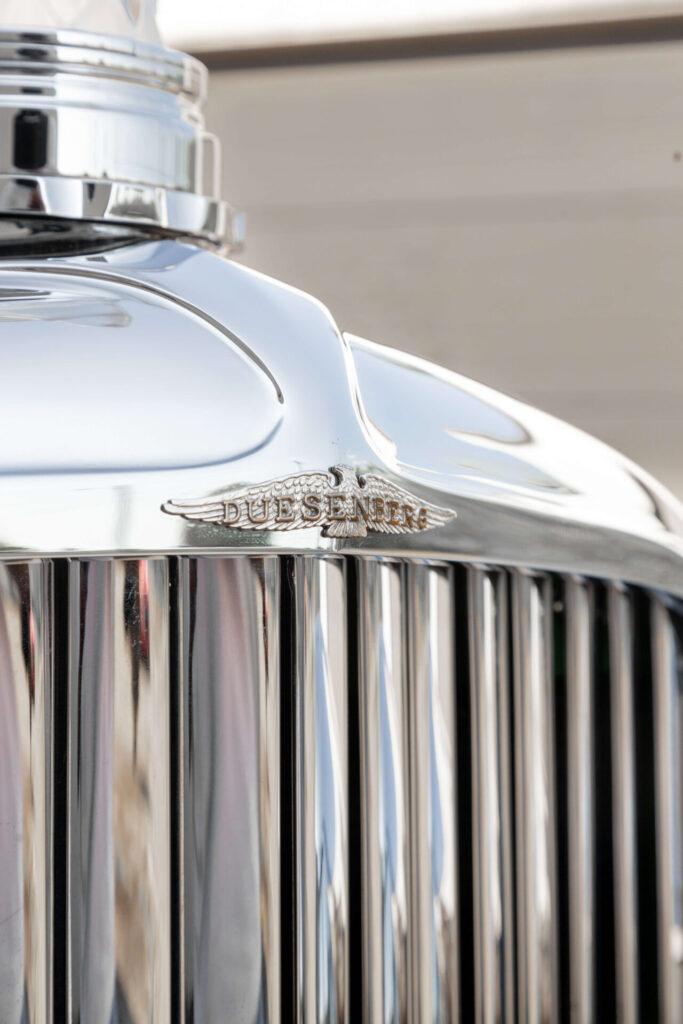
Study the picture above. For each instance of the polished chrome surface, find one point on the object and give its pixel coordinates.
(537, 904)
(321, 741)
(156, 420)
(25, 784)
(432, 797)
(230, 883)
(581, 851)
(623, 725)
(491, 799)
(119, 791)
(667, 644)
(384, 776)
(276, 390)
(106, 128)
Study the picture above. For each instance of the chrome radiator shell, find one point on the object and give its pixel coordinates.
(277, 775)
(192, 376)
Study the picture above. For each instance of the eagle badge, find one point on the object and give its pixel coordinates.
(342, 502)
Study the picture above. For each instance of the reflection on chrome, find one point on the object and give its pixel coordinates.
(322, 798)
(230, 788)
(580, 797)
(384, 774)
(119, 841)
(537, 976)
(431, 723)
(491, 799)
(25, 834)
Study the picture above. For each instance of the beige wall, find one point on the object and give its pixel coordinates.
(518, 218)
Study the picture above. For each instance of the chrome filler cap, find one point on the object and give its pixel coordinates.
(107, 128)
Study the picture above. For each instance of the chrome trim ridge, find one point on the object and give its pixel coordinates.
(580, 799)
(491, 799)
(384, 774)
(624, 798)
(230, 819)
(537, 921)
(120, 202)
(119, 842)
(667, 644)
(435, 972)
(25, 788)
(322, 986)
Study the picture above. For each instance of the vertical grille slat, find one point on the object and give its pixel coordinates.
(620, 610)
(289, 969)
(384, 784)
(322, 772)
(230, 788)
(537, 904)
(25, 812)
(91, 952)
(491, 798)
(580, 799)
(432, 798)
(667, 651)
(119, 839)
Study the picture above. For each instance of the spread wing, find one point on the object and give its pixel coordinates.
(375, 487)
(265, 506)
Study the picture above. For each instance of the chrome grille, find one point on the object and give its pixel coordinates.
(275, 788)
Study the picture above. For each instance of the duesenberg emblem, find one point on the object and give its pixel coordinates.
(344, 503)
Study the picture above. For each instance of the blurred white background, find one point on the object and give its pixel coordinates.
(516, 215)
(208, 24)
